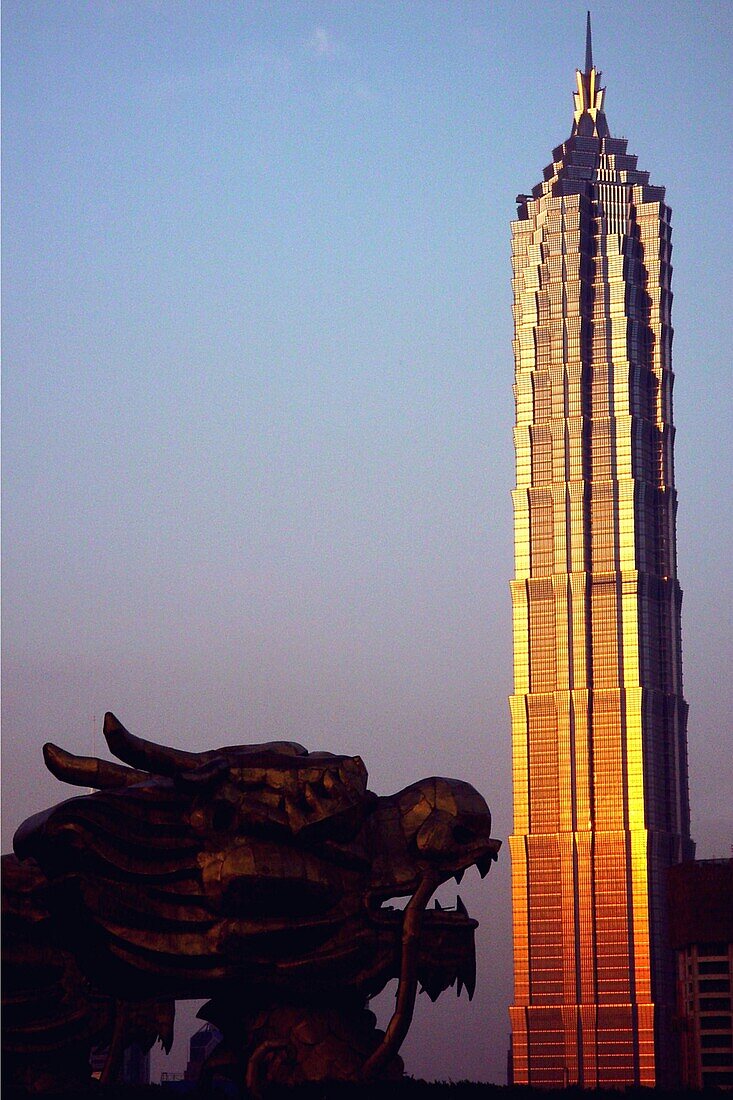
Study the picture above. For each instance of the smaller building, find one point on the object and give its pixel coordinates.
(701, 931)
(135, 1068)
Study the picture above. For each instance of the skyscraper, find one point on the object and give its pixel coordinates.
(598, 715)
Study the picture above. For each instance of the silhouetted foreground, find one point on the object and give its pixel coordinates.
(258, 876)
(406, 1089)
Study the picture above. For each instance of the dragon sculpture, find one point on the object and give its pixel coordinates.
(258, 876)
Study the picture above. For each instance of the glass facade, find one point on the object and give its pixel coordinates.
(598, 714)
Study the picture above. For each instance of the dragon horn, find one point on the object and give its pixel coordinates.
(87, 771)
(153, 758)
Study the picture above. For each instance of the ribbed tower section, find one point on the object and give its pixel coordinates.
(598, 715)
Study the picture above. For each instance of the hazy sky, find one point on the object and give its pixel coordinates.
(257, 387)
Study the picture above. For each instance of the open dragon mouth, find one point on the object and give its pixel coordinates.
(437, 944)
(448, 915)
(379, 902)
(447, 955)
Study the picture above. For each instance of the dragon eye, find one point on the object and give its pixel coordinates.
(462, 835)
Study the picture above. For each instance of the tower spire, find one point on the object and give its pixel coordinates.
(588, 117)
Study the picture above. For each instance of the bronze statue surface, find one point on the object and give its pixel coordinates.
(257, 876)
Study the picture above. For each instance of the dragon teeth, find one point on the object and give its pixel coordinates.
(483, 864)
(468, 975)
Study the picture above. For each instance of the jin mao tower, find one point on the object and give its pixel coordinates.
(598, 714)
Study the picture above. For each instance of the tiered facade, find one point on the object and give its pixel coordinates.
(598, 715)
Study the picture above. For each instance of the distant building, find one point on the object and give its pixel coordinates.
(701, 929)
(136, 1066)
(598, 712)
(202, 1043)
(135, 1069)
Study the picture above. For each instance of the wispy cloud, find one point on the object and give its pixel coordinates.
(322, 43)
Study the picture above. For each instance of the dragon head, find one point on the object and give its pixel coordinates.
(258, 867)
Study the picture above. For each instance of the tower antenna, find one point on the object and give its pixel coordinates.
(588, 45)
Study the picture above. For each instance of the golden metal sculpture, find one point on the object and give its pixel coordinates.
(255, 875)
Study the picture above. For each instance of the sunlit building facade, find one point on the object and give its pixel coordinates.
(598, 714)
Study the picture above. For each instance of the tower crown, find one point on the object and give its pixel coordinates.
(589, 119)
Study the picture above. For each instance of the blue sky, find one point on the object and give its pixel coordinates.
(257, 383)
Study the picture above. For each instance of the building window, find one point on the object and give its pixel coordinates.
(720, 966)
(724, 1058)
(714, 985)
(716, 1080)
(715, 1023)
(715, 1041)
